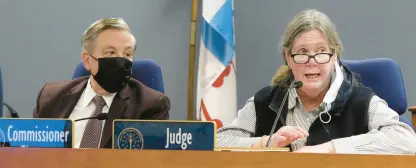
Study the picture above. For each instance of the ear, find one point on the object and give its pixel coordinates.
(336, 60)
(335, 57)
(85, 61)
(286, 53)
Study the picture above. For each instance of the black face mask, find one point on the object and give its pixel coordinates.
(113, 73)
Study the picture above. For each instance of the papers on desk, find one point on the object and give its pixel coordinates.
(228, 149)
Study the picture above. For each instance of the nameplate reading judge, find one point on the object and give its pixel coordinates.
(108, 47)
(165, 135)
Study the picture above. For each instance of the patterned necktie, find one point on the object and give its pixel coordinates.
(92, 133)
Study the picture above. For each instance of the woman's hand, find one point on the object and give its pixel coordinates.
(283, 137)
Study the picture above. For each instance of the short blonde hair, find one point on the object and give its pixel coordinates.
(307, 20)
(99, 26)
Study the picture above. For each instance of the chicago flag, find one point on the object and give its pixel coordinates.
(216, 88)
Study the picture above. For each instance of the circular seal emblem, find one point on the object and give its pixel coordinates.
(2, 139)
(130, 138)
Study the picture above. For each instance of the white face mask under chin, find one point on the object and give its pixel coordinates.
(332, 93)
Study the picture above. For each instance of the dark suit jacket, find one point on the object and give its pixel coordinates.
(134, 101)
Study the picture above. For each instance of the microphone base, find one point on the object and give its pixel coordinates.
(4, 144)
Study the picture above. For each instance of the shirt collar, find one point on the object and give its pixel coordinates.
(293, 98)
(89, 94)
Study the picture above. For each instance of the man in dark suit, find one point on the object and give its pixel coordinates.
(107, 50)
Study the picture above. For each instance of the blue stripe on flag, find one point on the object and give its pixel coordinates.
(223, 22)
(218, 37)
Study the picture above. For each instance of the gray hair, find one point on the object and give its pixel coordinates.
(99, 26)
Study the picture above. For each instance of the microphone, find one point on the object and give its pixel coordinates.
(296, 84)
(101, 116)
(4, 144)
(12, 112)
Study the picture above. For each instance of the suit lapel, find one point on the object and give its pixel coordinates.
(68, 101)
(117, 108)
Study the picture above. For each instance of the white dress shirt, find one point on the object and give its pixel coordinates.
(84, 108)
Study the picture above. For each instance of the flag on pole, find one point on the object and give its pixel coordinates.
(216, 88)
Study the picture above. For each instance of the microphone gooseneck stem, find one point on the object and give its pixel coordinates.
(277, 117)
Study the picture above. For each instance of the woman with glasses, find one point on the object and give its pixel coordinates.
(320, 105)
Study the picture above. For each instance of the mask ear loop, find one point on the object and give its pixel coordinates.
(326, 111)
(329, 100)
(92, 56)
(129, 76)
(131, 71)
(94, 59)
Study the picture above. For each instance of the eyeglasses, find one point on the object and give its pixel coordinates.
(320, 58)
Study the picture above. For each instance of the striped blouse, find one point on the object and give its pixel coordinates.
(387, 134)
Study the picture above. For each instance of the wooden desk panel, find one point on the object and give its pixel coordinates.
(103, 158)
(413, 110)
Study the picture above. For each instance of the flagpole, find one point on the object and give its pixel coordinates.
(191, 70)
